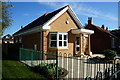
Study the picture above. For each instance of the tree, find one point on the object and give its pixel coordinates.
(5, 16)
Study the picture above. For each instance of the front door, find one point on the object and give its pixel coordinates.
(77, 45)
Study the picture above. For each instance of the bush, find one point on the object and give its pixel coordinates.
(109, 54)
(97, 57)
(49, 69)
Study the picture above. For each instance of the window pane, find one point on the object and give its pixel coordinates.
(53, 36)
(60, 36)
(77, 39)
(77, 48)
(60, 43)
(53, 44)
(65, 43)
(65, 37)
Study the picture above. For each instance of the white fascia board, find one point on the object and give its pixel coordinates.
(78, 31)
(46, 25)
(75, 17)
(36, 29)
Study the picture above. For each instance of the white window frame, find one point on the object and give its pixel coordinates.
(59, 33)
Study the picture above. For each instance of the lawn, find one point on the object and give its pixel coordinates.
(16, 70)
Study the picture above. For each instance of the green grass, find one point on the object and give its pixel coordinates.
(16, 70)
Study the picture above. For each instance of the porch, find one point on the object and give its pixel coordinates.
(83, 43)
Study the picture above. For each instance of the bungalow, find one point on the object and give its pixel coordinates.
(102, 39)
(59, 31)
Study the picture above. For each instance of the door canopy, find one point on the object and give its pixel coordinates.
(78, 31)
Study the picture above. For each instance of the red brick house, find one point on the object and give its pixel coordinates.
(102, 39)
(7, 39)
(58, 31)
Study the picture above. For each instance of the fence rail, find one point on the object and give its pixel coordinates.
(77, 67)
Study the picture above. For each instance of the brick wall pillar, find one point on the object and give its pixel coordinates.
(80, 43)
(89, 45)
(44, 33)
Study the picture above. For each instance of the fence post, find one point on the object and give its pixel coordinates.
(118, 68)
(32, 57)
(56, 66)
(20, 54)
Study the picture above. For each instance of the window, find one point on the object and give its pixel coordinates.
(58, 40)
(77, 44)
(113, 43)
(53, 40)
(20, 40)
(16, 40)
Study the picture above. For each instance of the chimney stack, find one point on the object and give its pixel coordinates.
(103, 27)
(107, 28)
(46, 14)
(89, 20)
(21, 27)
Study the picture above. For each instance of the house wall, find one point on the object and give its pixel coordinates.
(29, 40)
(60, 25)
(99, 40)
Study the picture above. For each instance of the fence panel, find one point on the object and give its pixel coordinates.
(28, 54)
(77, 67)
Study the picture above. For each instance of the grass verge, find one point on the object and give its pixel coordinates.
(14, 70)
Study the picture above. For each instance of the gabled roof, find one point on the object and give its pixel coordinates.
(100, 29)
(47, 18)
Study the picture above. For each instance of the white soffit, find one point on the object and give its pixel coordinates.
(78, 31)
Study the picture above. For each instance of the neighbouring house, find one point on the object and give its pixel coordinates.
(59, 31)
(116, 33)
(0, 41)
(7, 39)
(102, 39)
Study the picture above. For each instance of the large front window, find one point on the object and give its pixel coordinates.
(58, 40)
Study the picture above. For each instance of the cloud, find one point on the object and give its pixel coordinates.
(82, 9)
(92, 12)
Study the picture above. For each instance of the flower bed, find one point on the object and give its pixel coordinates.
(49, 70)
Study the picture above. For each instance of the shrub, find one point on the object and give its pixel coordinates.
(49, 69)
(97, 57)
(109, 54)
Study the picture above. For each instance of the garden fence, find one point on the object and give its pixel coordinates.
(80, 68)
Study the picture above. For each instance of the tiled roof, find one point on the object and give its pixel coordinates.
(101, 29)
(40, 21)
